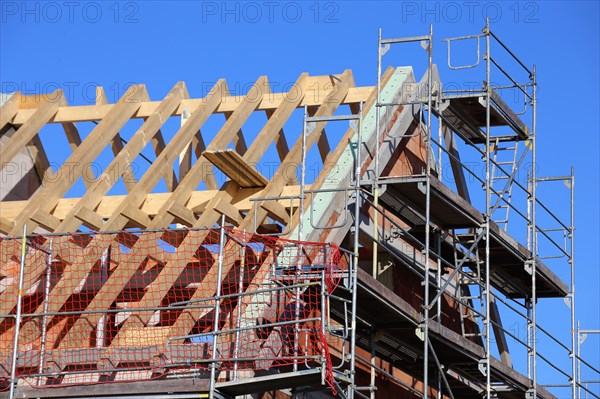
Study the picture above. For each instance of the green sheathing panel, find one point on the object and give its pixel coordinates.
(341, 175)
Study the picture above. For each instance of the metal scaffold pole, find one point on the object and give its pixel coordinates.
(238, 319)
(47, 286)
(354, 267)
(15, 352)
(534, 243)
(376, 172)
(488, 216)
(574, 346)
(578, 360)
(213, 368)
(427, 140)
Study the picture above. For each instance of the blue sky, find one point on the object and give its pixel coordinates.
(77, 45)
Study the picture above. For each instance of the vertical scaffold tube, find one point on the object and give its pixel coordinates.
(376, 172)
(47, 286)
(238, 321)
(574, 352)
(354, 265)
(427, 139)
(15, 352)
(534, 238)
(213, 369)
(488, 91)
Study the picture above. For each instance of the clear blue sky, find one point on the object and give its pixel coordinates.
(76, 45)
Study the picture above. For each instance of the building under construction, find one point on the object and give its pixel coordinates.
(189, 269)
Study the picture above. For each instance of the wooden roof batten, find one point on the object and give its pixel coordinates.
(266, 102)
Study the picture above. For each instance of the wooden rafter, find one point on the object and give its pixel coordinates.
(323, 143)
(183, 203)
(136, 197)
(128, 174)
(74, 139)
(158, 143)
(40, 159)
(47, 197)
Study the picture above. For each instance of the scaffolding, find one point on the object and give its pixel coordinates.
(469, 263)
(472, 115)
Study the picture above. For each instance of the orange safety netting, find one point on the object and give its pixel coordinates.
(127, 306)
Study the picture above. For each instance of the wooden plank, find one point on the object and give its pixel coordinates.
(31, 127)
(6, 224)
(185, 156)
(158, 143)
(224, 207)
(166, 387)
(128, 176)
(324, 148)
(233, 165)
(283, 148)
(89, 218)
(240, 143)
(281, 145)
(182, 214)
(45, 220)
(199, 147)
(74, 141)
(72, 134)
(86, 113)
(40, 159)
(136, 215)
(276, 211)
